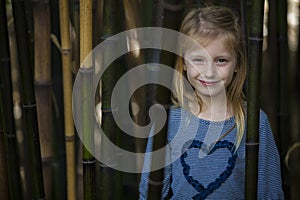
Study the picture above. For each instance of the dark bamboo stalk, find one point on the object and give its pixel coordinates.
(243, 11)
(107, 175)
(28, 100)
(254, 80)
(66, 50)
(7, 118)
(155, 190)
(59, 161)
(283, 89)
(4, 190)
(43, 87)
(88, 159)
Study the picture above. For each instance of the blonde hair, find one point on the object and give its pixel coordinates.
(204, 25)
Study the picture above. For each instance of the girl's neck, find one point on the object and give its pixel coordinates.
(214, 109)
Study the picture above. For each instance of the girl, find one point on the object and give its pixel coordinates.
(212, 163)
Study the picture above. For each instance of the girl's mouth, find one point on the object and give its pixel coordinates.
(208, 83)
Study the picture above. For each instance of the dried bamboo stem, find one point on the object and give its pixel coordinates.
(66, 51)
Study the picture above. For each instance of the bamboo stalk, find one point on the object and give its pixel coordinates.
(243, 9)
(107, 175)
(8, 131)
(4, 189)
(28, 100)
(87, 128)
(66, 50)
(155, 190)
(283, 89)
(254, 80)
(59, 161)
(43, 87)
(136, 15)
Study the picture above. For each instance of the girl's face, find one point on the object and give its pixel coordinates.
(210, 69)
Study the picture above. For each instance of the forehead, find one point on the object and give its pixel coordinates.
(211, 48)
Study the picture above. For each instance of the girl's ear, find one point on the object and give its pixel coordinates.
(236, 69)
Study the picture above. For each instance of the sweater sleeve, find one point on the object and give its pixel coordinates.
(269, 173)
(144, 181)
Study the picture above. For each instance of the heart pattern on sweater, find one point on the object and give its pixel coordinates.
(204, 192)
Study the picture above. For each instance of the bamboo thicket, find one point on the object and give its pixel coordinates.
(66, 51)
(254, 80)
(8, 131)
(28, 101)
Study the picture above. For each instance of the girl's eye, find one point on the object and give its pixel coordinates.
(198, 60)
(221, 61)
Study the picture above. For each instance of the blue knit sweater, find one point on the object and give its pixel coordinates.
(220, 174)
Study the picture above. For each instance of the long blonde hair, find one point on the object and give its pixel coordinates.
(204, 25)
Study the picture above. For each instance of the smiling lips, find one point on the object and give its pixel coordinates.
(208, 83)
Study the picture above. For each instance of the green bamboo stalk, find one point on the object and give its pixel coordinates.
(43, 87)
(59, 161)
(7, 118)
(254, 80)
(107, 175)
(66, 50)
(283, 89)
(28, 100)
(87, 128)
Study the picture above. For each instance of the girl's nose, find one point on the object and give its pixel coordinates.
(210, 70)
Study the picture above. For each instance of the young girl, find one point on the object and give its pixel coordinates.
(212, 162)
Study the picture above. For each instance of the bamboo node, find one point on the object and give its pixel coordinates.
(29, 106)
(70, 138)
(102, 165)
(252, 143)
(255, 38)
(109, 38)
(88, 161)
(9, 136)
(43, 83)
(47, 160)
(156, 183)
(66, 51)
(85, 69)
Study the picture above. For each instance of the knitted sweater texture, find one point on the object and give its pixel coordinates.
(199, 166)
